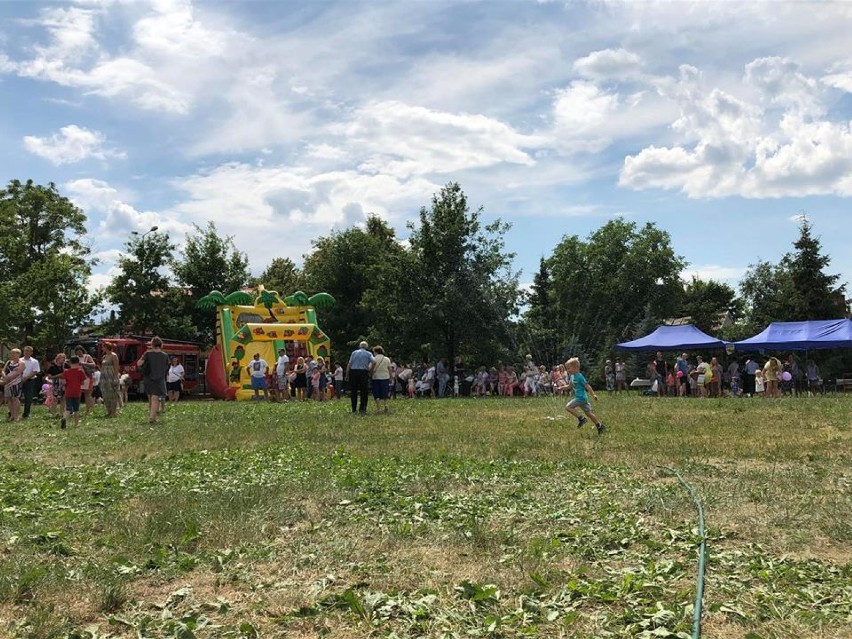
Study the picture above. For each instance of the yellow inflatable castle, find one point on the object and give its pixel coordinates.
(264, 324)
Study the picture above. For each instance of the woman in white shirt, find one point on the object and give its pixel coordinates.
(380, 372)
(174, 379)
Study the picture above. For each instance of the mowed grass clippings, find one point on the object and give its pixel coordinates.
(444, 518)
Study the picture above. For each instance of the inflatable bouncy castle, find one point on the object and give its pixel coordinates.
(264, 324)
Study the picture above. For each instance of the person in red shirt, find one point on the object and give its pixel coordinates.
(72, 380)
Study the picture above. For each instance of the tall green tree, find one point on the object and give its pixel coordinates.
(538, 332)
(456, 291)
(797, 288)
(705, 301)
(347, 264)
(609, 282)
(143, 292)
(816, 293)
(209, 261)
(281, 275)
(767, 292)
(45, 265)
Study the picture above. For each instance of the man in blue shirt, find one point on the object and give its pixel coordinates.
(357, 372)
(683, 375)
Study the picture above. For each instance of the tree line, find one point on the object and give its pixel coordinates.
(448, 289)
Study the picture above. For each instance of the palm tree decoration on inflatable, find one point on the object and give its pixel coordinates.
(216, 298)
(264, 324)
(268, 299)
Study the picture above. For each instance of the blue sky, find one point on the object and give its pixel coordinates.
(720, 121)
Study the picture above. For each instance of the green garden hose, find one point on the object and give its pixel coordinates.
(702, 554)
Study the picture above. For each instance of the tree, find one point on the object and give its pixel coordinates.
(539, 333)
(815, 292)
(794, 289)
(281, 275)
(143, 293)
(704, 301)
(209, 261)
(603, 286)
(455, 291)
(767, 291)
(44, 266)
(347, 264)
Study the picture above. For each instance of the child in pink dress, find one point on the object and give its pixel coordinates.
(315, 384)
(47, 392)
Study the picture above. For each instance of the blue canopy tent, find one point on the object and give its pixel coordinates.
(800, 336)
(670, 338)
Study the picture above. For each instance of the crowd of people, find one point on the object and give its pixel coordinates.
(746, 377)
(69, 385)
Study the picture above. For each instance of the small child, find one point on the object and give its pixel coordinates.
(759, 383)
(315, 384)
(47, 392)
(412, 387)
(236, 371)
(502, 381)
(72, 382)
(581, 400)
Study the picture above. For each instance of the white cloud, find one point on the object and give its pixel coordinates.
(404, 140)
(580, 113)
(839, 76)
(783, 84)
(6, 65)
(265, 206)
(90, 193)
(115, 217)
(172, 30)
(175, 58)
(106, 269)
(609, 64)
(72, 144)
(588, 119)
(731, 146)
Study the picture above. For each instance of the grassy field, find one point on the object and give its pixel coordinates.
(445, 518)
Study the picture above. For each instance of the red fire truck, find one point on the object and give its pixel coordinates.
(129, 349)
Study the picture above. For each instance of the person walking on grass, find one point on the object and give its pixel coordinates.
(155, 365)
(72, 381)
(581, 399)
(28, 380)
(771, 373)
(357, 373)
(380, 372)
(13, 373)
(682, 367)
(110, 380)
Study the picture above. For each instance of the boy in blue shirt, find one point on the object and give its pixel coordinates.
(581, 400)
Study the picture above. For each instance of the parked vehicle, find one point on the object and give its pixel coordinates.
(129, 348)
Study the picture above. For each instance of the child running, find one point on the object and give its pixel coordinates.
(72, 380)
(581, 400)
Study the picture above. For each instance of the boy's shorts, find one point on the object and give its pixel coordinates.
(72, 404)
(258, 383)
(577, 403)
(283, 382)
